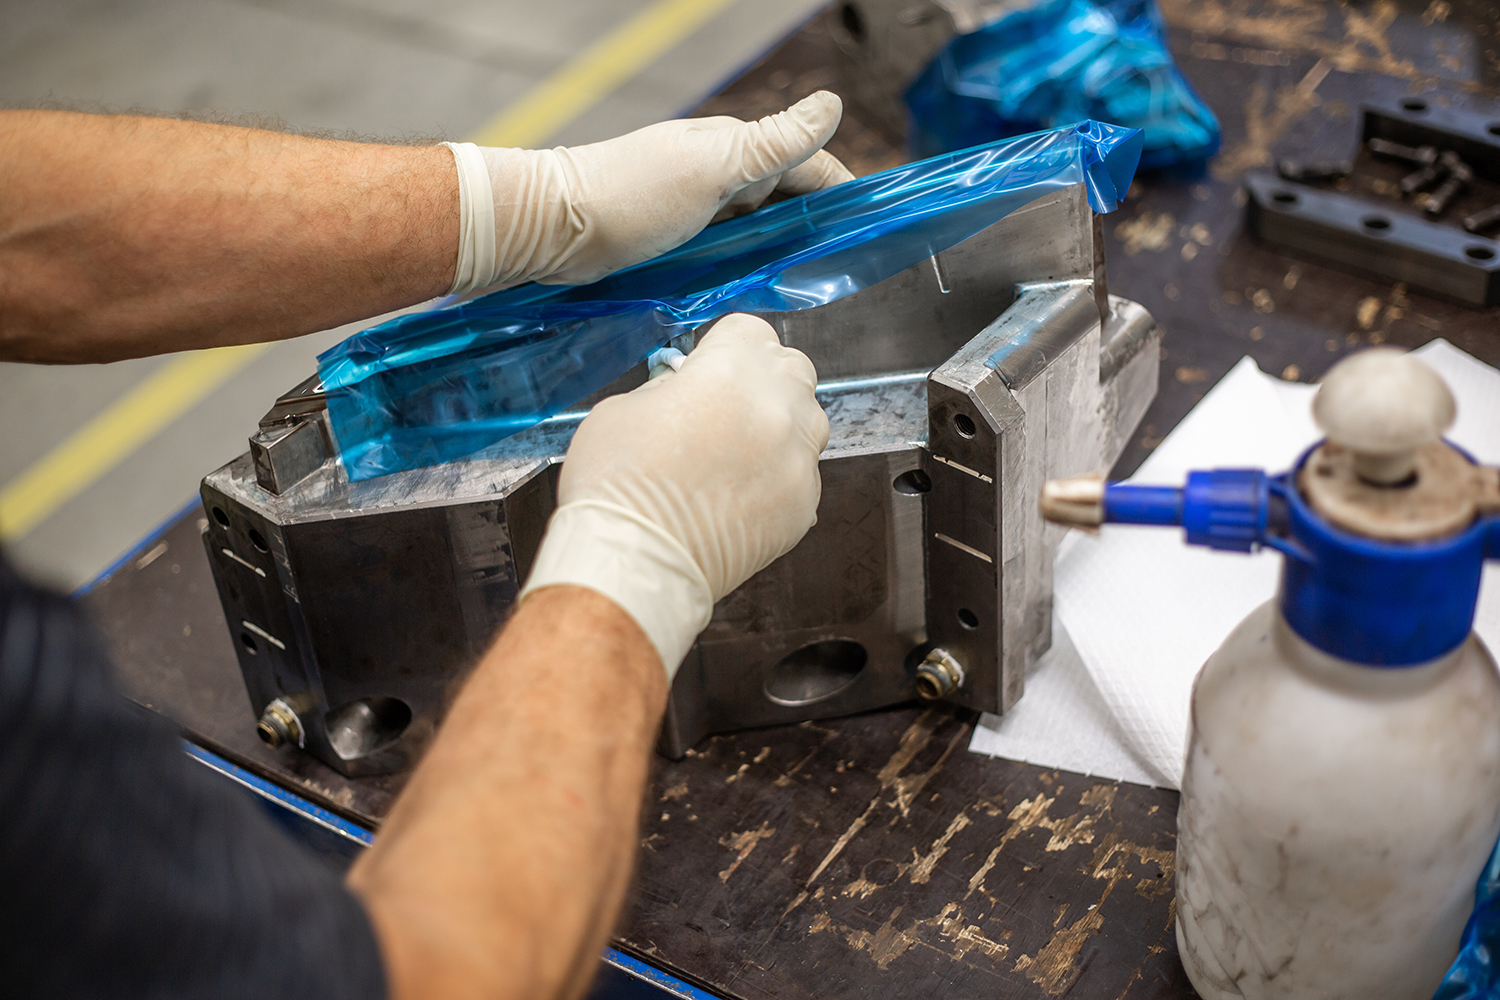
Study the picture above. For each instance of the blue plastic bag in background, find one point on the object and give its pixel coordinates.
(1061, 61)
(434, 386)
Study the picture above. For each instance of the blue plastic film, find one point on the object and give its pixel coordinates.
(1474, 975)
(1061, 61)
(435, 386)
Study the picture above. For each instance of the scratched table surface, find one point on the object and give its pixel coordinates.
(874, 856)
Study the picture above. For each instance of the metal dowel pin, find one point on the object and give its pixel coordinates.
(1421, 180)
(1482, 220)
(1459, 176)
(1331, 170)
(1424, 156)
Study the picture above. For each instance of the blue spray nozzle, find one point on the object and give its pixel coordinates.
(1222, 509)
(1368, 600)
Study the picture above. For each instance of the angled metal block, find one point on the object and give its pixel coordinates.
(360, 607)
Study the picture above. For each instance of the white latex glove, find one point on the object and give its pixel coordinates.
(571, 216)
(674, 494)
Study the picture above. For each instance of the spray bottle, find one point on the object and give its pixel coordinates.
(1341, 793)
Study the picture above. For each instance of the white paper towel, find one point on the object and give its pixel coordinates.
(1140, 610)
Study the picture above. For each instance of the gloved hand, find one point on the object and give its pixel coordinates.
(674, 494)
(571, 216)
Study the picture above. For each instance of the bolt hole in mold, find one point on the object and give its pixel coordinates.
(1377, 223)
(259, 541)
(913, 483)
(221, 517)
(364, 726)
(1414, 106)
(1285, 197)
(249, 643)
(964, 424)
(968, 619)
(1477, 252)
(816, 672)
(1494, 129)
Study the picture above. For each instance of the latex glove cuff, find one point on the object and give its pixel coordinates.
(477, 262)
(635, 563)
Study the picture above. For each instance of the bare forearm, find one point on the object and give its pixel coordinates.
(126, 236)
(503, 866)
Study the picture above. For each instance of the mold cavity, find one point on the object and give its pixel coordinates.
(913, 483)
(259, 541)
(1377, 223)
(968, 619)
(1477, 252)
(221, 517)
(964, 424)
(816, 672)
(362, 727)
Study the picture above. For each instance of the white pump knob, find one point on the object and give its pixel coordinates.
(1383, 404)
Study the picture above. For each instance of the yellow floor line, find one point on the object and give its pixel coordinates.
(597, 71)
(113, 435)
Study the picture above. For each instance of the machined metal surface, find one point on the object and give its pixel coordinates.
(366, 603)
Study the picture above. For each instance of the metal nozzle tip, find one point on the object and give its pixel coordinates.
(1077, 502)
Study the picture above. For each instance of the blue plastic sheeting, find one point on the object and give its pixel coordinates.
(1061, 61)
(434, 386)
(1474, 975)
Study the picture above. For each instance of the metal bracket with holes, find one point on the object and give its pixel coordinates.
(1389, 241)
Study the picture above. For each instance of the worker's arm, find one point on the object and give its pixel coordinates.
(502, 868)
(125, 236)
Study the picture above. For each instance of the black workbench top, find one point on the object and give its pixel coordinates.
(869, 856)
(875, 856)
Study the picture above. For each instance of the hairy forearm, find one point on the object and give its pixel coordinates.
(502, 867)
(125, 236)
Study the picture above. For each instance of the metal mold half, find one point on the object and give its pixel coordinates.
(385, 592)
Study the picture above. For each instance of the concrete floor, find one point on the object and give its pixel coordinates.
(438, 68)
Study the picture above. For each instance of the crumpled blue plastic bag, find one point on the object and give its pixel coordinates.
(434, 386)
(1473, 976)
(1061, 61)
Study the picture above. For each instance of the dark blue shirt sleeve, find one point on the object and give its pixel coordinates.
(127, 869)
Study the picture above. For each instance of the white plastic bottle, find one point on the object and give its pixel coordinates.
(1342, 789)
(1334, 819)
